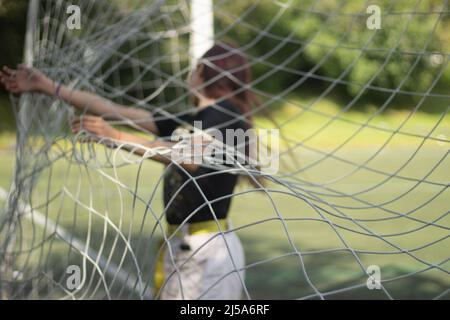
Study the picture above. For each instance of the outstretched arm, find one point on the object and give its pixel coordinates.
(100, 129)
(32, 80)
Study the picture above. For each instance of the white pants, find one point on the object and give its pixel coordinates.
(208, 273)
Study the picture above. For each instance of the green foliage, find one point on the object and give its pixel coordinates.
(12, 30)
(330, 38)
(299, 46)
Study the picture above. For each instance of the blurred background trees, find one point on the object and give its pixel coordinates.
(13, 14)
(323, 38)
(330, 39)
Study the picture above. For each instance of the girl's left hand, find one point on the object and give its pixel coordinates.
(95, 125)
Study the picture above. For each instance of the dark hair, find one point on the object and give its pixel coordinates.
(226, 72)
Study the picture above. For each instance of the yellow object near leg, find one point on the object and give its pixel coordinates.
(193, 229)
(158, 277)
(210, 226)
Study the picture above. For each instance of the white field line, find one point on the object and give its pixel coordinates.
(110, 268)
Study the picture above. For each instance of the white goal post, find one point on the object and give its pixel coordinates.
(202, 28)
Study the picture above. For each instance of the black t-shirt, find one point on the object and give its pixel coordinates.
(180, 199)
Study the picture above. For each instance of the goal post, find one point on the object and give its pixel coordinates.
(202, 28)
(30, 34)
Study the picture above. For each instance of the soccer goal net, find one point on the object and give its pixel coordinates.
(358, 206)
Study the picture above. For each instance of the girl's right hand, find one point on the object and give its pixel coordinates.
(24, 79)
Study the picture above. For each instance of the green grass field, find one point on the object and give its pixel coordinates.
(403, 157)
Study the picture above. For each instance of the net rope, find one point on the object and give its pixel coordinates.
(75, 203)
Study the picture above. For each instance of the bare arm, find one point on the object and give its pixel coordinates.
(127, 137)
(136, 144)
(31, 80)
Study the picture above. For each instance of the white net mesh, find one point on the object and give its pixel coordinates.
(355, 188)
